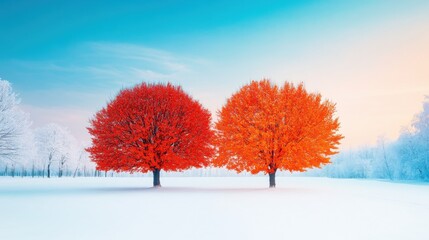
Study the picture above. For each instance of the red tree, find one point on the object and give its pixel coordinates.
(151, 127)
(265, 128)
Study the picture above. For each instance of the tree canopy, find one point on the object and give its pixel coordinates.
(265, 128)
(15, 137)
(151, 127)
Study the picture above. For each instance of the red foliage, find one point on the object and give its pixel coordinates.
(151, 127)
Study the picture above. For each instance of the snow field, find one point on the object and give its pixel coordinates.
(212, 208)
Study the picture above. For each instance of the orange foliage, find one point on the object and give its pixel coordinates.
(265, 128)
(151, 127)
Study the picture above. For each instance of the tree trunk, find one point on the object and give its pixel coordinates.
(75, 172)
(272, 179)
(156, 181)
(49, 170)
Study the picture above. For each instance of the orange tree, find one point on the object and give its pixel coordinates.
(151, 127)
(265, 128)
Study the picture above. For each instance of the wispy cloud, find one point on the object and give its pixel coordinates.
(139, 53)
(123, 62)
(115, 63)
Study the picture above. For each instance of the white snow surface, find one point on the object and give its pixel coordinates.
(212, 208)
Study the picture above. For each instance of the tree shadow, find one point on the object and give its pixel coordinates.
(172, 190)
(198, 190)
(30, 192)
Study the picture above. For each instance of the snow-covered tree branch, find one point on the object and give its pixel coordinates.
(55, 145)
(15, 134)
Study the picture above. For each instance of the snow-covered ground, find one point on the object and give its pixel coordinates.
(212, 208)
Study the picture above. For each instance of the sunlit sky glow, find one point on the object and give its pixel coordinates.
(66, 59)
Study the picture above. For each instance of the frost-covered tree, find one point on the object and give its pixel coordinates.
(56, 146)
(385, 163)
(413, 146)
(422, 138)
(405, 158)
(357, 163)
(83, 166)
(15, 135)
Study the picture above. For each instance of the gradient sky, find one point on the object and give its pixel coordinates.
(66, 59)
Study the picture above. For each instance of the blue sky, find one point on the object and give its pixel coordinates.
(67, 58)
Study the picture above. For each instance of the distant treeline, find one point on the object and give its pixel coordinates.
(407, 158)
(52, 151)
